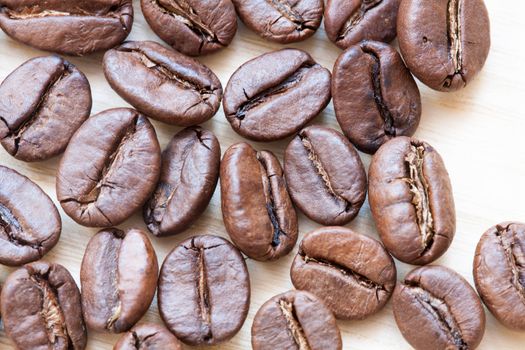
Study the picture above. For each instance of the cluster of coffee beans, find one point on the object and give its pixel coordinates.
(112, 166)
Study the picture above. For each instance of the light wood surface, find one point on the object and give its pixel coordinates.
(478, 131)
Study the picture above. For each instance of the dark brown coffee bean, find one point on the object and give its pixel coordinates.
(41, 308)
(347, 22)
(30, 225)
(281, 21)
(274, 95)
(499, 273)
(325, 175)
(411, 200)
(295, 320)
(353, 274)
(42, 103)
(162, 83)
(109, 169)
(256, 208)
(204, 290)
(445, 42)
(118, 277)
(68, 27)
(148, 336)
(192, 27)
(375, 96)
(435, 308)
(188, 177)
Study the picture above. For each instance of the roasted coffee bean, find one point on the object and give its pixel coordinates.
(352, 273)
(375, 96)
(204, 290)
(109, 169)
(499, 273)
(349, 22)
(325, 175)
(274, 95)
(30, 225)
(411, 200)
(162, 83)
(444, 42)
(68, 27)
(256, 208)
(295, 320)
(188, 177)
(118, 277)
(41, 308)
(435, 308)
(192, 27)
(281, 21)
(42, 103)
(148, 336)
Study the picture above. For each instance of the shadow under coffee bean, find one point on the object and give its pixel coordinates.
(204, 290)
(41, 308)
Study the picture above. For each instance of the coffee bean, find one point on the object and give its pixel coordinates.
(192, 27)
(499, 273)
(30, 225)
(353, 274)
(148, 336)
(41, 308)
(445, 42)
(295, 320)
(274, 95)
(256, 208)
(68, 27)
(42, 103)
(204, 290)
(348, 22)
(118, 277)
(281, 21)
(411, 200)
(436, 308)
(188, 177)
(325, 175)
(163, 83)
(375, 96)
(109, 169)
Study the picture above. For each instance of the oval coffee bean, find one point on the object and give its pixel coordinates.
(499, 273)
(30, 225)
(118, 277)
(435, 308)
(42, 103)
(295, 320)
(68, 27)
(375, 96)
(148, 336)
(349, 22)
(163, 83)
(274, 95)
(281, 21)
(204, 290)
(444, 43)
(192, 27)
(256, 208)
(109, 169)
(188, 177)
(411, 200)
(325, 175)
(41, 308)
(352, 273)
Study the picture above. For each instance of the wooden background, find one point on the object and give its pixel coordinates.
(479, 131)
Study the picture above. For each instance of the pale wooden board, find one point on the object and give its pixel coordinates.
(478, 131)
